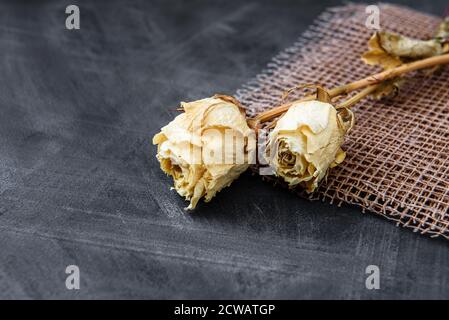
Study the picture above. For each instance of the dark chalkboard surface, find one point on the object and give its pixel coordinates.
(80, 185)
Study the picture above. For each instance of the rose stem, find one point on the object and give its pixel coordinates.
(359, 84)
(356, 98)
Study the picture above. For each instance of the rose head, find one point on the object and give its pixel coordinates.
(205, 148)
(306, 142)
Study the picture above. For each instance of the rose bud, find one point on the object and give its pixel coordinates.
(206, 147)
(306, 142)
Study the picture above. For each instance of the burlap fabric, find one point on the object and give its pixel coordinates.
(397, 161)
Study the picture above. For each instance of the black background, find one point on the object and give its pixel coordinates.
(79, 182)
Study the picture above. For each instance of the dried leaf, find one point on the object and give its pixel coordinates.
(388, 88)
(443, 35)
(443, 30)
(378, 56)
(390, 50)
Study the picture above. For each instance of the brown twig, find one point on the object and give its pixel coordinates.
(356, 98)
(356, 85)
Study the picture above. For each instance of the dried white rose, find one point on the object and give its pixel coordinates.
(205, 148)
(306, 142)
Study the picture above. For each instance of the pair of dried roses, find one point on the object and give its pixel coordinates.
(307, 139)
(210, 144)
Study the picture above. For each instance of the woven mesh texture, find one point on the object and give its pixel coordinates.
(397, 162)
